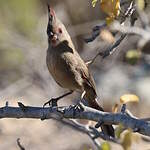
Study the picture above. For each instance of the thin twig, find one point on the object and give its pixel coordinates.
(82, 128)
(95, 32)
(113, 47)
(103, 136)
(143, 18)
(20, 145)
(131, 30)
(109, 50)
(92, 132)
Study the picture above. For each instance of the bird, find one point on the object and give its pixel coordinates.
(67, 68)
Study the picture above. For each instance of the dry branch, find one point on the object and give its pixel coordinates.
(83, 112)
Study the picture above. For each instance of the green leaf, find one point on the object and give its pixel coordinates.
(119, 130)
(132, 56)
(94, 2)
(105, 146)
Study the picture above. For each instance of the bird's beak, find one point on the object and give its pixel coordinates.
(50, 21)
(50, 14)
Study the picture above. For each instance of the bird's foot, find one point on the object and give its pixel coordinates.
(77, 108)
(52, 102)
(123, 108)
(99, 124)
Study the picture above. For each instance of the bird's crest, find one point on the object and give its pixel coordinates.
(51, 12)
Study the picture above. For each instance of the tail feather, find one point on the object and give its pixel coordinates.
(107, 129)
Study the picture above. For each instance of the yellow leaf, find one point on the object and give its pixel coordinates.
(107, 36)
(140, 4)
(111, 8)
(105, 146)
(109, 20)
(127, 140)
(94, 2)
(115, 108)
(129, 98)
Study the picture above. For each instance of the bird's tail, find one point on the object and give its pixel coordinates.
(91, 97)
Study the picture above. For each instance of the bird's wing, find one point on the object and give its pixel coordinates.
(85, 74)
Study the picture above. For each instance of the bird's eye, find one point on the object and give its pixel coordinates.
(59, 30)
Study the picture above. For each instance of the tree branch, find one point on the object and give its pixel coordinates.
(84, 129)
(131, 30)
(72, 112)
(96, 31)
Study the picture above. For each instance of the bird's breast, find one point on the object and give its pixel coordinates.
(63, 69)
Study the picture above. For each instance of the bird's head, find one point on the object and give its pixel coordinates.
(55, 29)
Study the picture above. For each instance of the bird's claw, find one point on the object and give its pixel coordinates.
(77, 108)
(52, 102)
(123, 109)
(99, 124)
